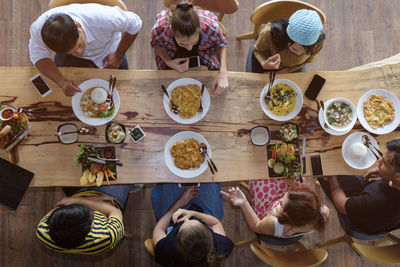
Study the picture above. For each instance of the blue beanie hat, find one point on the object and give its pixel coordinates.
(304, 27)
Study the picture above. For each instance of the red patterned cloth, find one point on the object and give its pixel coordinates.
(212, 39)
(265, 194)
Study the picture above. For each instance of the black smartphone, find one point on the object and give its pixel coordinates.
(189, 185)
(315, 87)
(316, 166)
(194, 62)
(40, 85)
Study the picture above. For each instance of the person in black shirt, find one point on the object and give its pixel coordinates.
(370, 202)
(186, 237)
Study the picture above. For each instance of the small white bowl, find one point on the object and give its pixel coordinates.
(3, 110)
(354, 114)
(259, 135)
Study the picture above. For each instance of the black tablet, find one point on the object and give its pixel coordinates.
(14, 181)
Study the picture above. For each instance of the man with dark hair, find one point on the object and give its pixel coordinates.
(371, 203)
(89, 222)
(82, 35)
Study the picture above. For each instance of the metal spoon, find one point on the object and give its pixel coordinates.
(323, 112)
(203, 150)
(111, 86)
(368, 144)
(82, 131)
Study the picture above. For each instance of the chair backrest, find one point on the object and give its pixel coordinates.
(280, 9)
(149, 245)
(221, 6)
(119, 3)
(388, 255)
(304, 257)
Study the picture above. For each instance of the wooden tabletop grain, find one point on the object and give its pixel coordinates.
(226, 126)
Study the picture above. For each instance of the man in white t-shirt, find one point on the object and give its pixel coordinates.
(82, 35)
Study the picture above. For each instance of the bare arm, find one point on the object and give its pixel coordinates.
(48, 68)
(221, 82)
(338, 195)
(114, 60)
(179, 64)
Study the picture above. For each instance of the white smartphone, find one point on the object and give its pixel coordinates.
(194, 62)
(40, 84)
(189, 185)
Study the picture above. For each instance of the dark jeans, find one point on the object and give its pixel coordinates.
(351, 185)
(62, 60)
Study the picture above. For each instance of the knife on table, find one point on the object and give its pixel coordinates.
(304, 155)
(17, 140)
(104, 161)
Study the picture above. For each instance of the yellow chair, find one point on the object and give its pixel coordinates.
(387, 255)
(56, 3)
(148, 244)
(221, 6)
(274, 10)
(295, 258)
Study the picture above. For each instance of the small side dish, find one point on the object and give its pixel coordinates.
(339, 114)
(259, 135)
(136, 134)
(187, 154)
(16, 124)
(289, 132)
(115, 133)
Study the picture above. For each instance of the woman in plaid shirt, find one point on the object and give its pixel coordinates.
(185, 32)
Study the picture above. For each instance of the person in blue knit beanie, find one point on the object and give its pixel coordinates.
(287, 45)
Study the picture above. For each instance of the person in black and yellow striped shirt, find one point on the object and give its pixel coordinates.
(89, 222)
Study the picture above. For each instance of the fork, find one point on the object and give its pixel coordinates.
(201, 98)
(267, 97)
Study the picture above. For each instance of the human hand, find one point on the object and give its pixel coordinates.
(372, 175)
(179, 64)
(189, 194)
(113, 61)
(273, 62)
(69, 87)
(68, 201)
(186, 215)
(220, 83)
(236, 196)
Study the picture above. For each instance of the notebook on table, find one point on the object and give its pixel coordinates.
(14, 181)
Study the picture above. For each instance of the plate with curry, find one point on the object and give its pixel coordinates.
(378, 111)
(90, 105)
(285, 100)
(186, 94)
(182, 154)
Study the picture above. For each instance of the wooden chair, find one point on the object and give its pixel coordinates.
(56, 3)
(148, 244)
(274, 10)
(221, 6)
(387, 255)
(300, 257)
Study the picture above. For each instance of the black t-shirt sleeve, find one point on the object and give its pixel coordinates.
(358, 205)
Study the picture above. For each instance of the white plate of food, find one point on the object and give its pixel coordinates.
(185, 93)
(356, 154)
(87, 110)
(379, 111)
(198, 162)
(286, 100)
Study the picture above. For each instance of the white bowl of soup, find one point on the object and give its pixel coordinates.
(340, 114)
(285, 102)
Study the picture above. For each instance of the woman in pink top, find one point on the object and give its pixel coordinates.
(297, 212)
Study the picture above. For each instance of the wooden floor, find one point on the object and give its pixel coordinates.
(358, 32)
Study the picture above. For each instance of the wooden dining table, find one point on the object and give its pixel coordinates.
(226, 126)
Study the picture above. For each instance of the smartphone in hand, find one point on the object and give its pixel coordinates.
(41, 86)
(194, 62)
